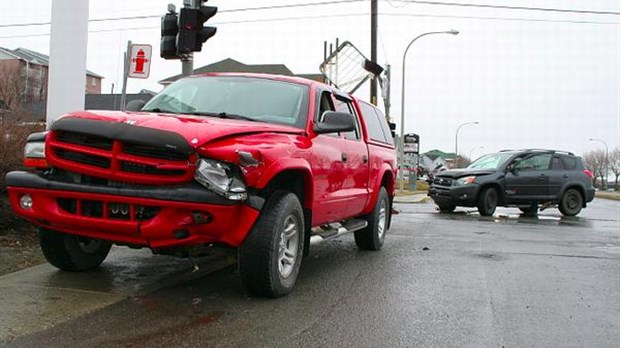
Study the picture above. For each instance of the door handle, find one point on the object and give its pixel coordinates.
(365, 159)
(343, 157)
(565, 176)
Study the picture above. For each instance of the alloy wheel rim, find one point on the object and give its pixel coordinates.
(288, 246)
(382, 219)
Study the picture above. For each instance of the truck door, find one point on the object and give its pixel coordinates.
(329, 169)
(355, 162)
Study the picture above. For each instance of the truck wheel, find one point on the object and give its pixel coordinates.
(487, 201)
(270, 257)
(446, 207)
(72, 253)
(571, 203)
(372, 237)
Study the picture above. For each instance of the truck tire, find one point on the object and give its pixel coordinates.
(372, 237)
(571, 203)
(270, 257)
(72, 253)
(487, 201)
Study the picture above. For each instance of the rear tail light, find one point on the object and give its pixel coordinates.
(588, 173)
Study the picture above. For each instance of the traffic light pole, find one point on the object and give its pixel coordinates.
(187, 60)
(187, 64)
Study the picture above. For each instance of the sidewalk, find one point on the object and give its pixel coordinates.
(411, 197)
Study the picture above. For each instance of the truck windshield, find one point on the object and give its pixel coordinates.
(248, 98)
(490, 161)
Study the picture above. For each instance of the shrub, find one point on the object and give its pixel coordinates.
(13, 136)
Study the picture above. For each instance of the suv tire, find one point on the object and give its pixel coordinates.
(571, 202)
(487, 201)
(72, 253)
(270, 257)
(372, 237)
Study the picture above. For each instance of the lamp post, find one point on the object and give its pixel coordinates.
(456, 141)
(402, 103)
(605, 178)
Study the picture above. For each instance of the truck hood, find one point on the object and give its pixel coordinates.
(457, 173)
(197, 130)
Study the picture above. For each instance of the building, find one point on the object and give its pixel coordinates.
(29, 71)
(231, 65)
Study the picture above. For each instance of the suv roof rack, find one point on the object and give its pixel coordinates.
(540, 150)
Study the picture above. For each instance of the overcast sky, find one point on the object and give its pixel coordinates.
(548, 79)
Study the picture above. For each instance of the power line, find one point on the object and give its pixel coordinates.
(521, 19)
(506, 7)
(258, 8)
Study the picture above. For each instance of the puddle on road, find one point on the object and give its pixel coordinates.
(517, 218)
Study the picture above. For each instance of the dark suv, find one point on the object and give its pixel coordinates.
(527, 179)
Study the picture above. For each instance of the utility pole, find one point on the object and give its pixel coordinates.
(374, 5)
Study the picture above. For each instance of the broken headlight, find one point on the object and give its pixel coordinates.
(221, 179)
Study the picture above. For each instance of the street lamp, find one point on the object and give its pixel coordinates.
(605, 178)
(456, 141)
(402, 103)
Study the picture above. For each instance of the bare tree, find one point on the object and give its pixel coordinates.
(614, 165)
(11, 88)
(595, 161)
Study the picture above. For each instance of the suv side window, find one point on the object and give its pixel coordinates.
(569, 162)
(556, 164)
(346, 106)
(536, 162)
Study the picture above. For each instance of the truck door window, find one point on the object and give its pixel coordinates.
(345, 105)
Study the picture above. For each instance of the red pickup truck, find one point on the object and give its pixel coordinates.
(265, 164)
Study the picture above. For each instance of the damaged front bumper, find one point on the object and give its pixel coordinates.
(152, 216)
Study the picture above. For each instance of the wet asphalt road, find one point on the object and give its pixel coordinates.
(504, 281)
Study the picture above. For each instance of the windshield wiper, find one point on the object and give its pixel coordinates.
(160, 111)
(222, 115)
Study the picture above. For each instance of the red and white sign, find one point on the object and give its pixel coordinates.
(140, 61)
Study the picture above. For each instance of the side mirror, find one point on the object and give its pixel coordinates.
(135, 105)
(334, 122)
(511, 168)
(392, 129)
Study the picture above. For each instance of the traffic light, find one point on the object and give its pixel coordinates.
(192, 32)
(169, 30)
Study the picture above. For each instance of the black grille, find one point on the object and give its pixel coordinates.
(83, 158)
(115, 211)
(442, 181)
(85, 140)
(153, 152)
(131, 167)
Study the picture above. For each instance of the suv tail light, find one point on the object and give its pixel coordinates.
(588, 173)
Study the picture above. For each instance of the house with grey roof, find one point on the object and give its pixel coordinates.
(29, 69)
(231, 65)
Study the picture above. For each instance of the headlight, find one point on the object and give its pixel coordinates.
(35, 149)
(465, 180)
(218, 176)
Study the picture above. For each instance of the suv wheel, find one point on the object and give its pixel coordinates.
(270, 257)
(487, 201)
(72, 253)
(372, 237)
(571, 203)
